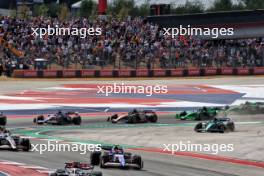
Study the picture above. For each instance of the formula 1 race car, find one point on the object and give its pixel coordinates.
(2, 119)
(76, 169)
(59, 118)
(205, 113)
(114, 156)
(217, 125)
(135, 116)
(8, 141)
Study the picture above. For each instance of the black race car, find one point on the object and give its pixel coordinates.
(59, 118)
(217, 125)
(135, 116)
(76, 169)
(205, 113)
(2, 119)
(12, 142)
(115, 156)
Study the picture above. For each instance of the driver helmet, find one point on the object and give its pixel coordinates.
(2, 129)
(116, 149)
(135, 110)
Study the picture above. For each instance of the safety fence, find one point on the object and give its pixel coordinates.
(180, 72)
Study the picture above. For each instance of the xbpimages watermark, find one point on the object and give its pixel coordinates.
(191, 147)
(62, 31)
(131, 89)
(56, 146)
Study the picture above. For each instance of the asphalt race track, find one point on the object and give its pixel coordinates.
(155, 164)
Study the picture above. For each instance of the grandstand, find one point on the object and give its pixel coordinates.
(134, 43)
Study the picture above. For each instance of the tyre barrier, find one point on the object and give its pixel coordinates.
(180, 72)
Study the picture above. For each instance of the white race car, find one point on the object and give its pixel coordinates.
(12, 142)
(76, 169)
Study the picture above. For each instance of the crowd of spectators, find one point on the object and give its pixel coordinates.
(129, 43)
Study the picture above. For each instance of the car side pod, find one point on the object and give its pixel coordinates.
(199, 127)
(95, 158)
(77, 120)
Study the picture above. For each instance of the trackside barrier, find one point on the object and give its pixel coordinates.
(69, 73)
(30, 74)
(209, 71)
(50, 73)
(227, 71)
(193, 72)
(258, 71)
(106, 73)
(159, 72)
(88, 73)
(18, 74)
(179, 72)
(142, 73)
(124, 73)
(242, 71)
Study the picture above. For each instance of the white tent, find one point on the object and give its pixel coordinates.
(77, 5)
(206, 3)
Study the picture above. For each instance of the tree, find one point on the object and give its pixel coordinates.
(40, 10)
(253, 4)
(123, 13)
(54, 9)
(122, 7)
(222, 5)
(189, 7)
(23, 11)
(143, 10)
(63, 12)
(87, 8)
(239, 6)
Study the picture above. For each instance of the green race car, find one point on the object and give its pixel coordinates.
(205, 113)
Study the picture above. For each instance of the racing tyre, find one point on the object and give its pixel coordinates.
(39, 118)
(198, 127)
(95, 158)
(232, 127)
(153, 118)
(3, 121)
(138, 160)
(26, 145)
(53, 174)
(77, 120)
(104, 159)
(97, 174)
(58, 172)
(221, 129)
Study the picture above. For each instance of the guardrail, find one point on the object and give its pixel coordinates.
(180, 72)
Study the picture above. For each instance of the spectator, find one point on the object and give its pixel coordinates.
(128, 42)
